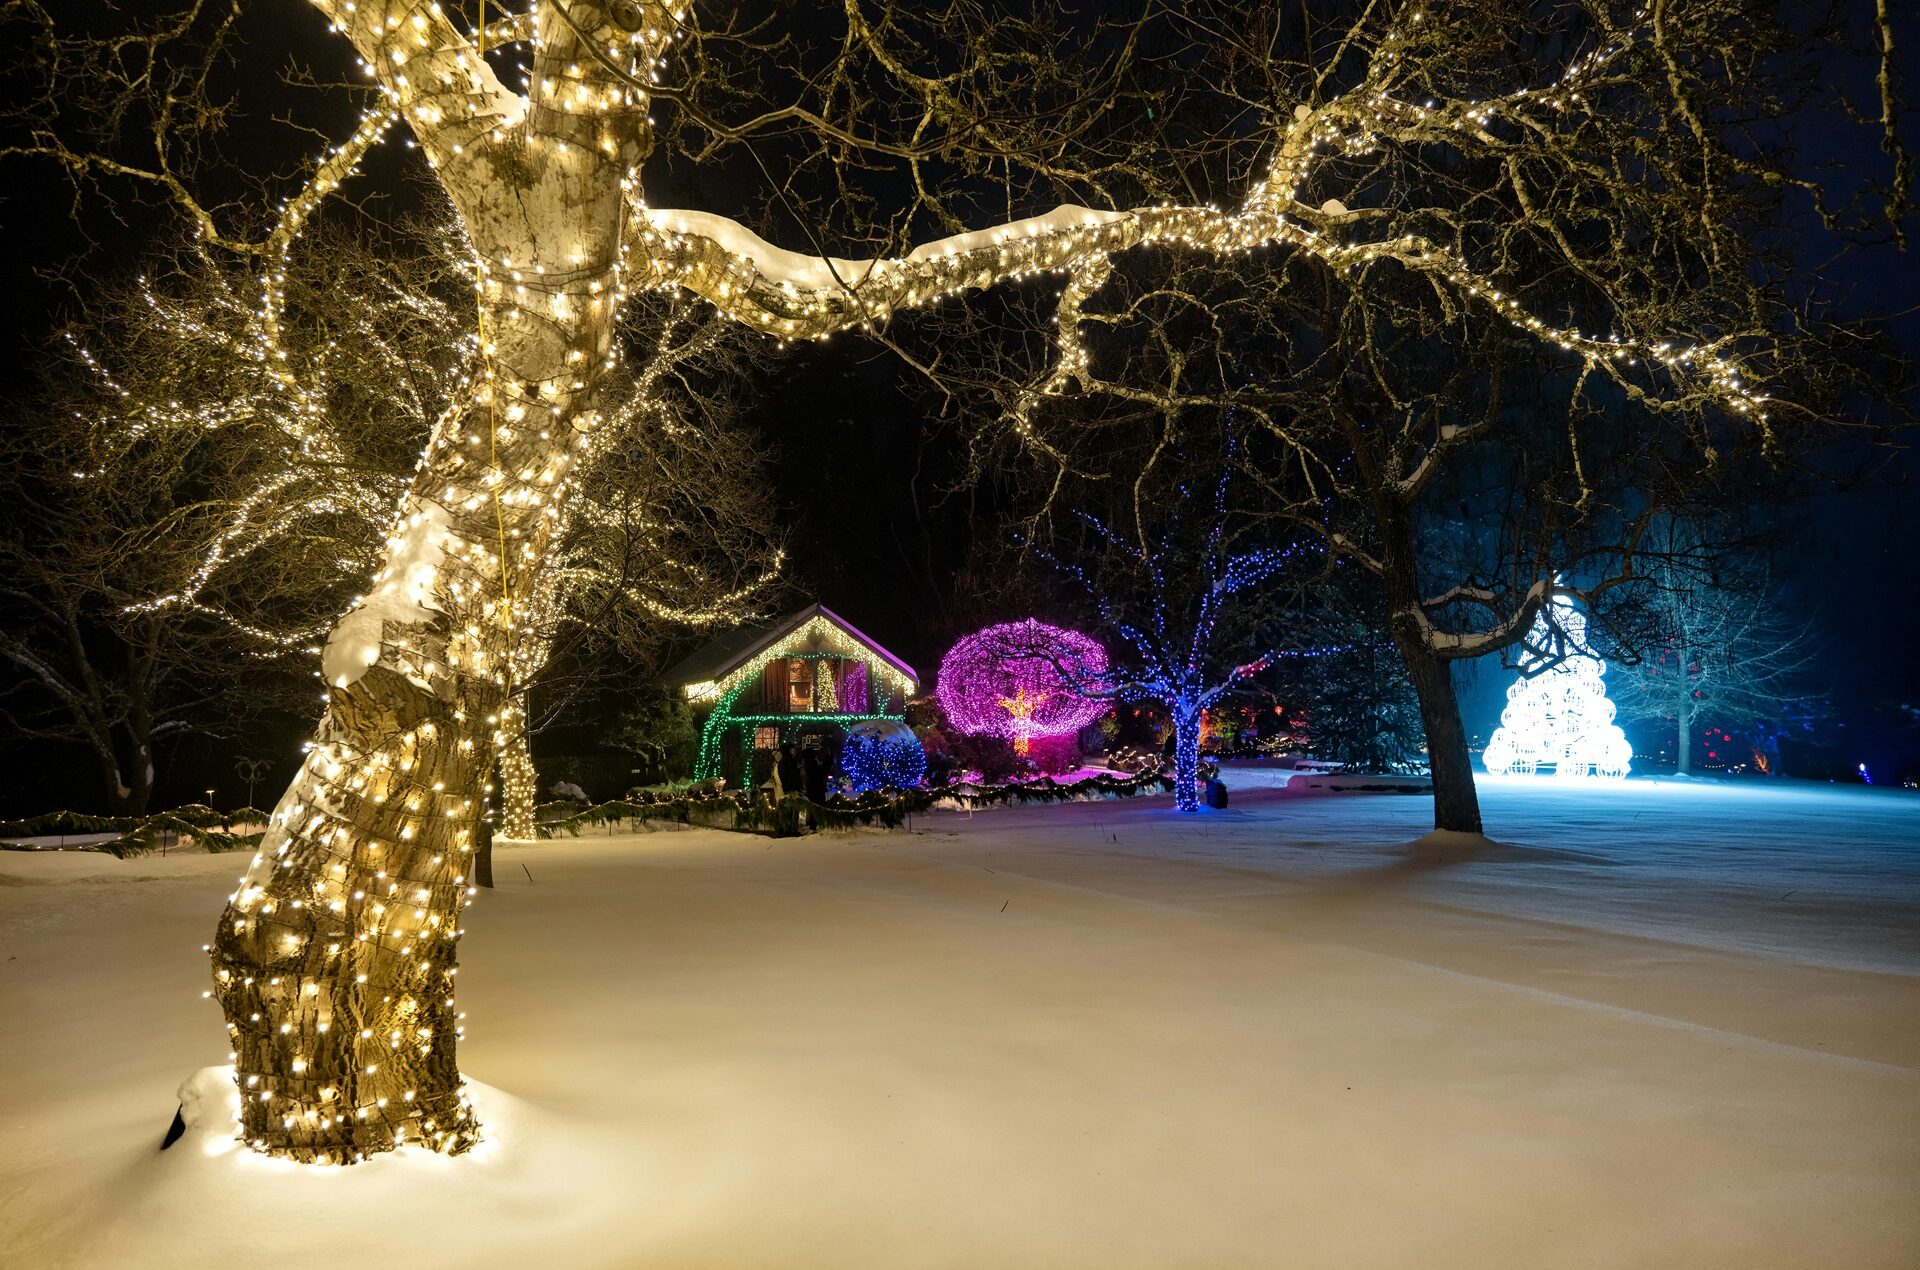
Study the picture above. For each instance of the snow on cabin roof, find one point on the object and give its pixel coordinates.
(720, 657)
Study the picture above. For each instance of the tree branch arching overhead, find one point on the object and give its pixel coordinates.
(1339, 147)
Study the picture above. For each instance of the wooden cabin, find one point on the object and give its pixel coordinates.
(803, 679)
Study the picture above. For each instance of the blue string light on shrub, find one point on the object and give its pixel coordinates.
(882, 755)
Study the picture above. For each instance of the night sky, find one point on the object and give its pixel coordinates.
(862, 470)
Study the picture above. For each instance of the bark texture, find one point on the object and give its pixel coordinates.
(519, 788)
(335, 961)
(1456, 802)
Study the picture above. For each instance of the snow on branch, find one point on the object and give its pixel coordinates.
(795, 295)
(1461, 646)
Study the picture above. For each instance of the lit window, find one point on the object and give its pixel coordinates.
(800, 686)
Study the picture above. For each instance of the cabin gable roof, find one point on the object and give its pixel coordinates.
(814, 629)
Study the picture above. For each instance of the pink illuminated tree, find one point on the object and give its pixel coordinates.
(1024, 681)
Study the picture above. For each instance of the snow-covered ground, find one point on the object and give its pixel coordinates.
(1661, 1025)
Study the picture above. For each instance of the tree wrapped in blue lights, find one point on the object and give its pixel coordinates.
(1194, 594)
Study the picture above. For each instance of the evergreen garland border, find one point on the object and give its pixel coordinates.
(139, 835)
(735, 811)
(797, 814)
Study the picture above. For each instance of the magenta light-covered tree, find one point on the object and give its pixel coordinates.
(1024, 681)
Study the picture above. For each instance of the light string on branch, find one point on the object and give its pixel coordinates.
(792, 296)
(437, 81)
(557, 250)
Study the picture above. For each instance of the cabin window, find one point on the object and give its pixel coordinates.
(800, 685)
(766, 738)
(853, 688)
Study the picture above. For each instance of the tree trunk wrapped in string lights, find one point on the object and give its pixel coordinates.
(519, 790)
(335, 961)
(548, 188)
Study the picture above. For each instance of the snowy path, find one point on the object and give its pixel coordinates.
(1050, 1037)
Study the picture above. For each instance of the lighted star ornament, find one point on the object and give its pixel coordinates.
(1020, 708)
(1558, 715)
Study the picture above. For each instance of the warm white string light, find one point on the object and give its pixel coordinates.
(557, 250)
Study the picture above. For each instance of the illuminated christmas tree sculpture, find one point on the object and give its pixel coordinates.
(1558, 715)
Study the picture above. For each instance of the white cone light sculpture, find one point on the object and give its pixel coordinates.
(1559, 718)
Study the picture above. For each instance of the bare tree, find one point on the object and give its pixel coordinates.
(74, 556)
(175, 504)
(1715, 643)
(1479, 468)
(901, 121)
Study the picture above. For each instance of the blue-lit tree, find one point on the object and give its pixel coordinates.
(1196, 592)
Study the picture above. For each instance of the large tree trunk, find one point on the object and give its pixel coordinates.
(1186, 757)
(519, 786)
(141, 774)
(139, 724)
(1456, 803)
(128, 780)
(335, 961)
(128, 788)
